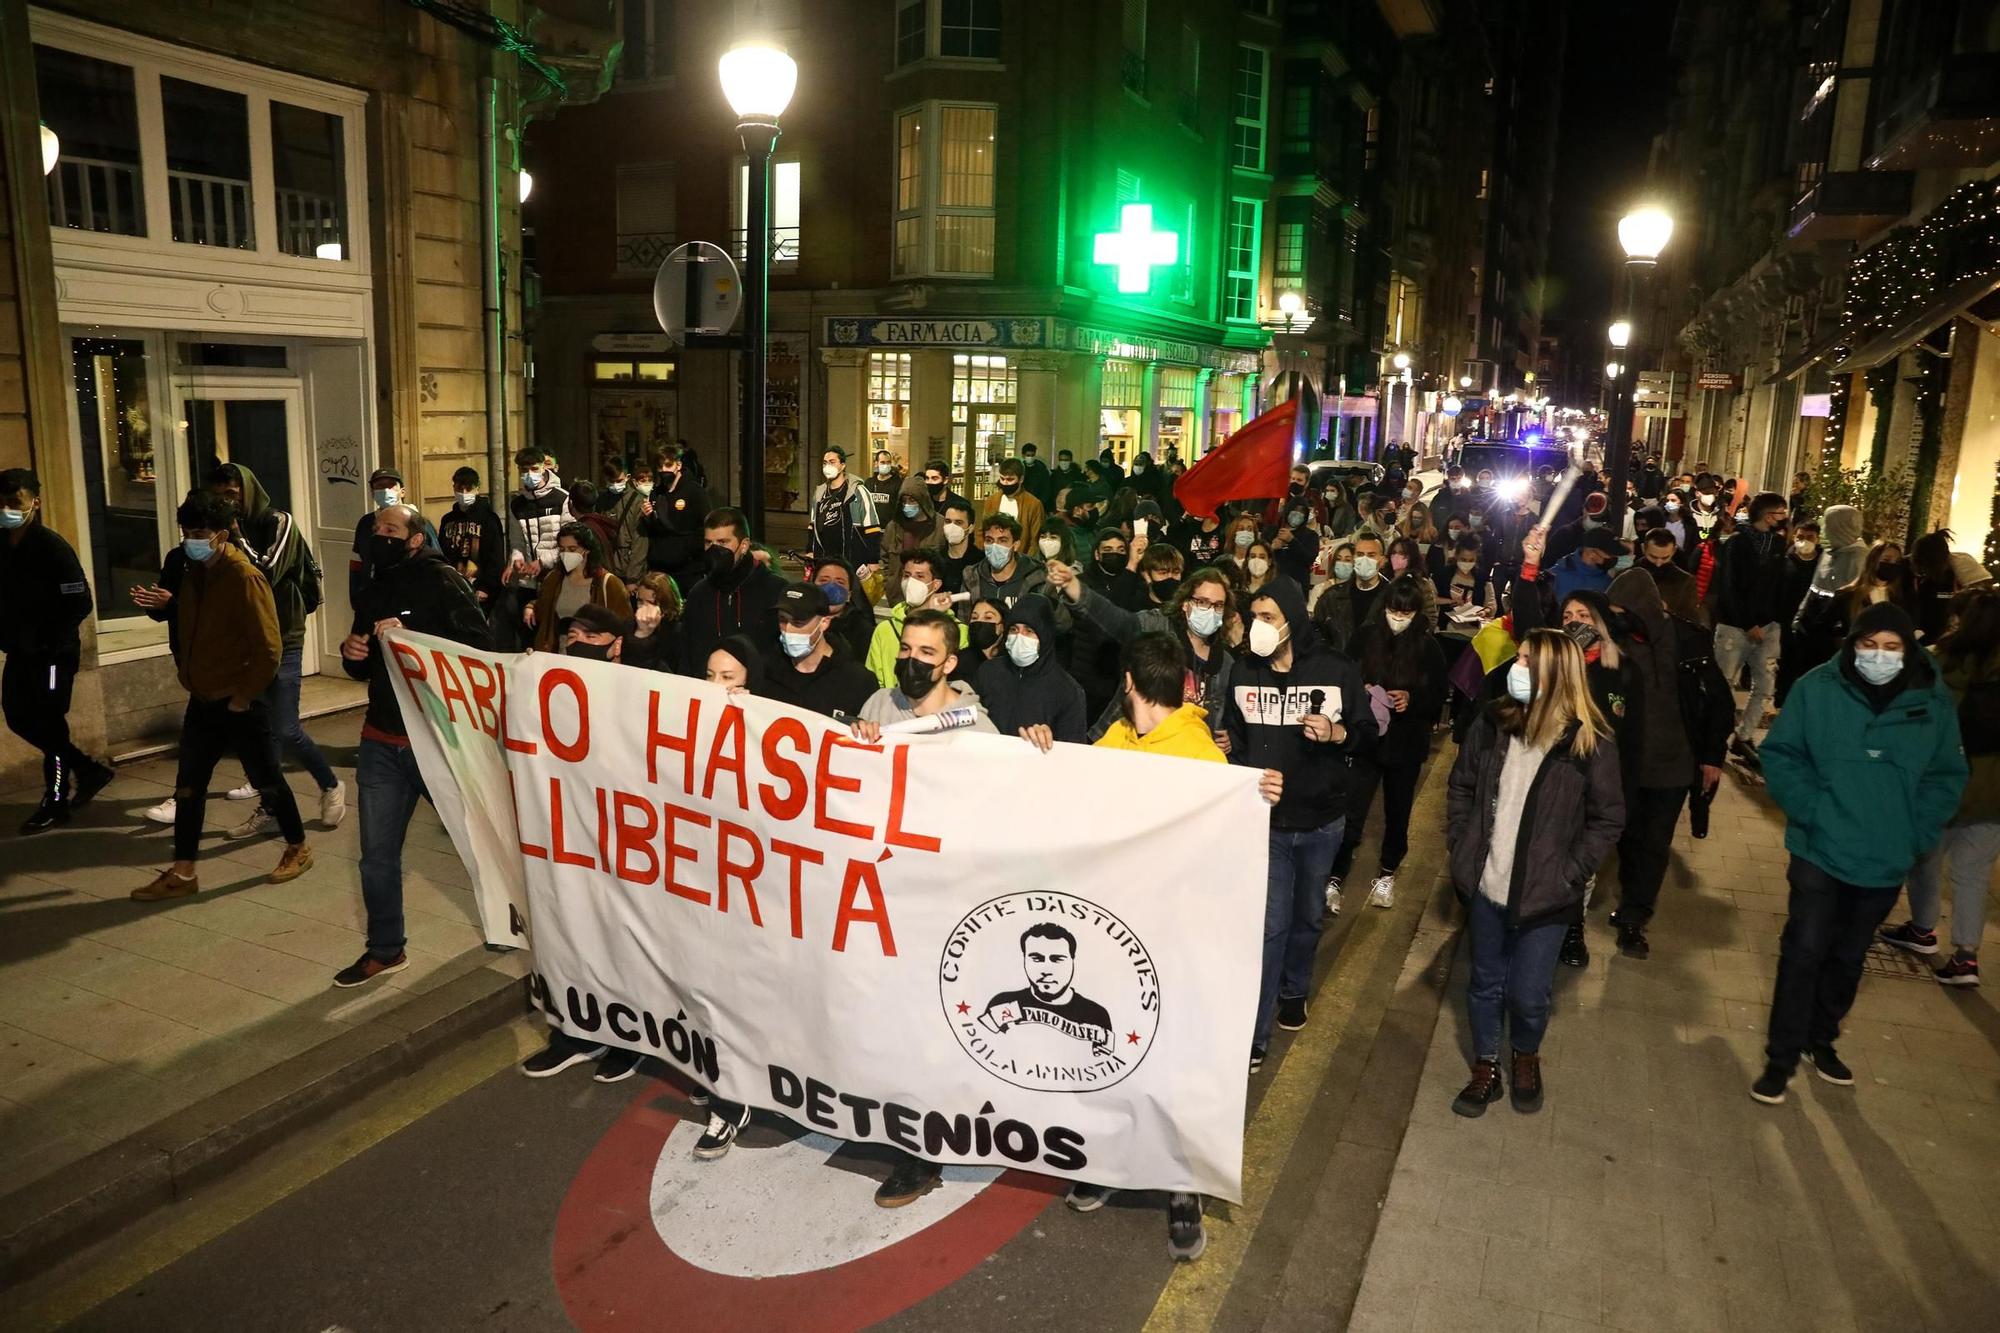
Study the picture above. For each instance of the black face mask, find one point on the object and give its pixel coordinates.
(596, 652)
(916, 679)
(387, 552)
(1009, 487)
(1889, 571)
(1294, 489)
(1163, 589)
(1113, 565)
(719, 559)
(981, 634)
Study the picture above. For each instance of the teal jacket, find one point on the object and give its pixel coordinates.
(1865, 793)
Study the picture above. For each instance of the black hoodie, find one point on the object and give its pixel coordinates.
(272, 540)
(1042, 694)
(1266, 710)
(743, 599)
(429, 597)
(474, 542)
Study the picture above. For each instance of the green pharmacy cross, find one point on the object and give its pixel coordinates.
(1135, 249)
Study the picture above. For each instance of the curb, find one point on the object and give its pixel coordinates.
(50, 1219)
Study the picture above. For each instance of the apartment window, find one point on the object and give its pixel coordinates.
(91, 106)
(208, 164)
(647, 29)
(646, 195)
(959, 29)
(1298, 119)
(1371, 137)
(945, 155)
(1190, 99)
(1239, 282)
(784, 212)
(1132, 59)
(309, 171)
(1291, 248)
(1253, 80)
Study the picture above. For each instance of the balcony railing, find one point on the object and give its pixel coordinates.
(1132, 71)
(1849, 205)
(784, 245)
(211, 210)
(643, 251)
(308, 221)
(90, 194)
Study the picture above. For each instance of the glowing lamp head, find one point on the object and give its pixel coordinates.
(527, 186)
(758, 80)
(51, 149)
(1290, 304)
(1400, 360)
(1620, 333)
(1452, 405)
(1644, 233)
(1465, 381)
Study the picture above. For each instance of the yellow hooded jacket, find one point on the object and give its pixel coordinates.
(1184, 734)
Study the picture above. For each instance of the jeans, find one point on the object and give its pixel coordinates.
(1968, 851)
(1399, 795)
(208, 731)
(1513, 972)
(388, 785)
(1829, 925)
(1650, 816)
(286, 729)
(34, 696)
(1732, 649)
(1294, 903)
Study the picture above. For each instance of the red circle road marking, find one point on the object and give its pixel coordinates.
(615, 1273)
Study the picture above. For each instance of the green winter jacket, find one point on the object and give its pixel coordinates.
(1865, 793)
(274, 543)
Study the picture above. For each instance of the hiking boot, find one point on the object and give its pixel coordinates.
(1575, 953)
(1632, 942)
(1084, 1197)
(90, 780)
(261, 822)
(1908, 936)
(1770, 1085)
(1383, 892)
(1830, 1066)
(561, 1053)
(725, 1121)
(368, 967)
(617, 1066)
(52, 811)
(1481, 1091)
(1526, 1085)
(911, 1180)
(298, 859)
(1291, 1012)
(168, 885)
(1962, 970)
(1186, 1238)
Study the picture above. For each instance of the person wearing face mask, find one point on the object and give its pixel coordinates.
(673, 528)
(885, 483)
(1749, 581)
(580, 578)
(912, 526)
(919, 588)
(1866, 762)
(1037, 479)
(1295, 545)
(1024, 687)
(1799, 565)
(1197, 616)
(44, 600)
(1298, 501)
(844, 523)
(1399, 658)
(385, 487)
(1659, 557)
(1005, 574)
(1339, 565)
(597, 633)
(1010, 496)
(737, 593)
(1296, 710)
(1673, 506)
(982, 636)
(227, 652)
(810, 670)
(937, 479)
(1259, 571)
(1054, 543)
(536, 513)
(1093, 652)
(1565, 538)
(1344, 607)
(958, 544)
(628, 543)
(853, 613)
(1534, 804)
(472, 537)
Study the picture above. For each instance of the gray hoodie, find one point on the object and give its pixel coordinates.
(889, 705)
(1840, 562)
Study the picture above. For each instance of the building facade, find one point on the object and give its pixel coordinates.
(255, 234)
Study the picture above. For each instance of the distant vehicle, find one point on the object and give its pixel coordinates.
(1504, 458)
(1352, 471)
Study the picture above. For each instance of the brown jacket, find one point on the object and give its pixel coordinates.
(606, 589)
(1677, 590)
(226, 642)
(1030, 517)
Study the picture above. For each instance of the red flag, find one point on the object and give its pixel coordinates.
(1253, 464)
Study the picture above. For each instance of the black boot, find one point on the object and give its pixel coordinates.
(1632, 941)
(53, 810)
(1575, 953)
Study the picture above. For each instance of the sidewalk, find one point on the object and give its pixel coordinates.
(116, 1015)
(1652, 1193)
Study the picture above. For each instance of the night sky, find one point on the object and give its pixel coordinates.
(1616, 81)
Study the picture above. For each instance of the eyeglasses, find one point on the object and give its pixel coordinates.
(1203, 604)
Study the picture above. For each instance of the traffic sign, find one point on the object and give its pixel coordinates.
(697, 291)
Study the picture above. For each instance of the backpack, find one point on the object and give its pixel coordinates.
(312, 579)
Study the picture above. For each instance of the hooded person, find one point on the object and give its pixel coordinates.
(1842, 547)
(911, 525)
(1025, 684)
(1298, 708)
(1866, 762)
(853, 611)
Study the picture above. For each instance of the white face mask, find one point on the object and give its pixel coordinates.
(915, 591)
(830, 471)
(1049, 546)
(465, 498)
(882, 469)
(954, 533)
(1265, 638)
(572, 560)
(1365, 567)
(1259, 566)
(1805, 549)
(1397, 621)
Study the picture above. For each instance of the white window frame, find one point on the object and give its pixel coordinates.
(933, 51)
(1252, 274)
(927, 210)
(1261, 122)
(786, 238)
(149, 61)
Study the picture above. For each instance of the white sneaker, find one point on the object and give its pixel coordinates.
(1383, 894)
(260, 822)
(246, 792)
(1333, 896)
(163, 813)
(333, 805)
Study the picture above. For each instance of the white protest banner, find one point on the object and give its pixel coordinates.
(916, 942)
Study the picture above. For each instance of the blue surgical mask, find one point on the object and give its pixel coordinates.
(795, 644)
(1520, 683)
(383, 499)
(911, 509)
(1878, 666)
(1025, 650)
(12, 518)
(997, 555)
(1343, 570)
(1366, 566)
(199, 549)
(1622, 562)
(532, 477)
(1204, 620)
(836, 593)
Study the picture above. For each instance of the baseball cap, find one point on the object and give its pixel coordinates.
(386, 474)
(1601, 540)
(597, 619)
(803, 601)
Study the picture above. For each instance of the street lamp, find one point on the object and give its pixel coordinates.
(1400, 361)
(51, 149)
(527, 185)
(758, 80)
(1642, 234)
(1620, 333)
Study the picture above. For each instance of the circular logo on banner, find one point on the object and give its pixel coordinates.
(1050, 992)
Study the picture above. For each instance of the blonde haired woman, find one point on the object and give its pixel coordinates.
(1535, 802)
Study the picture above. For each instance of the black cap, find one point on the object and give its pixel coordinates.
(1600, 539)
(595, 619)
(386, 473)
(803, 601)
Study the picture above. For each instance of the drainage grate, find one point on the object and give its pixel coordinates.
(1887, 961)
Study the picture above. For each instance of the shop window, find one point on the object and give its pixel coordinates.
(309, 169)
(121, 495)
(646, 206)
(784, 213)
(982, 418)
(889, 404)
(1239, 282)
(1251, 101)
(1176, 419)
(1121, 402)
(208, 164)
(627, 372)
(94, 112)
(945, 153)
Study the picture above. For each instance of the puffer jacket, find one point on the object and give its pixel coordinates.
(1574, 813)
